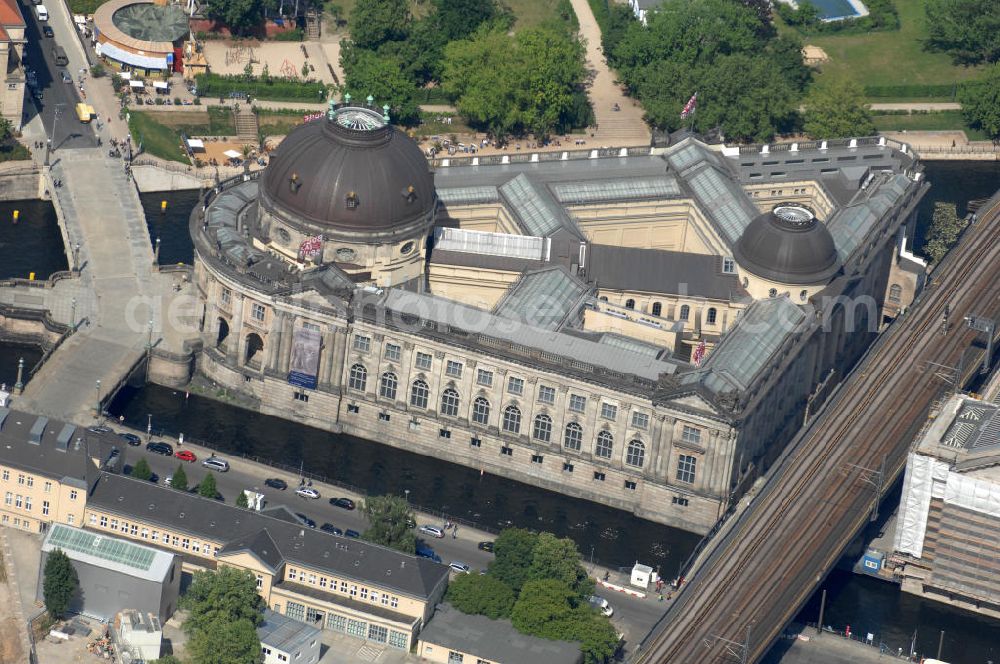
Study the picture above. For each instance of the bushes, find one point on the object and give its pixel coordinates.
(290, 35)
(276, 89)
(912, 91)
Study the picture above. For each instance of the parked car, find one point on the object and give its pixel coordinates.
(425, 551)
(131, 439)
(154, 478)
(215, 463)
(332, 529)
(433, 531)
(66, 78)
(458, 567)
(345, 503)
(160, 447)
(100, 429)
(601, 605)
(276, 483)
(47, 31)
(305, 520)
(307, 492)
(485, 546)
(352, 533)
(186, 455)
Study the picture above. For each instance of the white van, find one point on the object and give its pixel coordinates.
(215, 463)
(41, 12)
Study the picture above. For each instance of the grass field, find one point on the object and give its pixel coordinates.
(217, 121)
(893, 57)
(157, 139)
(939, 121)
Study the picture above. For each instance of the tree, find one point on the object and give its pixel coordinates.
(179, 479)
(389, 521)
(981, 102)
(945, 229)
(513, 552)
(557, 558)
(223, 642)
(241, 16)
(207, 487)
(457, 19)
(968, 29)
(241, 500)
(785, 51)
(368, 73)
(60, 585)
(141, 470)
(549, 609)
(835, 108)
(226, 595)
(481, 595)
(374, 22)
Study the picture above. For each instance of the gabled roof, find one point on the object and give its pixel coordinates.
(536, 210)
(544, 298)
(260, 544)
(10, 15)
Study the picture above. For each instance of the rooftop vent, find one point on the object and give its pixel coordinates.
(62, 441)
(35, 437)
(4, 412)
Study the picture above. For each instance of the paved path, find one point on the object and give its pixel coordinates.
(917, 106)
(619, 128)
(826, 648)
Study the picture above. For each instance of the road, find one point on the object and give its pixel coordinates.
(69, 132)
(755, 578)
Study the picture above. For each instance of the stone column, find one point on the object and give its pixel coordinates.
(325, 365)
(336, 357)
(274, 337)
(285, 348)
(236, 332)
(665, 443)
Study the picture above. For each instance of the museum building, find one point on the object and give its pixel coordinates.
(645, 328)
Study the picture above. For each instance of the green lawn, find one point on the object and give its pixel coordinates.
(938, 121)
(157, 139)
(206, 121)
(892, 57)
(85, 6)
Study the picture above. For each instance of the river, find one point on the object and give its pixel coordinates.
(33, 243)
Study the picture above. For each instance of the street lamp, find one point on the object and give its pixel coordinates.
(407, 492)
(149, 427)
(97, 391)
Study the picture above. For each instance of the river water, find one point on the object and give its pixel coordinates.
(33, 244)
(617, 538)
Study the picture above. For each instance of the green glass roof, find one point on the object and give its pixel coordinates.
(107, 548)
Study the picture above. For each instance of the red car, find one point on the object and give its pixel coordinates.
(186, 455)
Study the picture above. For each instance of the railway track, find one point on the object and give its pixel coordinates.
(755, 579)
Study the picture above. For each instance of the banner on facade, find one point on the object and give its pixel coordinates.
(304, 366)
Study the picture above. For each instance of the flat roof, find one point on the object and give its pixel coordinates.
(283, 633)
(495, 640)
(111, 553)
(70, 463)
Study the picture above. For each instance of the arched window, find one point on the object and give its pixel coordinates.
(773, 292)
(711, 315)
(636, 454)
(481, 410)
(685, 312)
(387, 386)
(895, 293)
(223, 332)
(574, 436)
(418, 394)
(657, 308)
(630, 303)
(543, 428)
(512, 419)
(359, 378)
(449, 403)
(254, 346)
(605, 441)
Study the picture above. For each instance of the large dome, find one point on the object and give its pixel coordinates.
(350, 171)
(789, 246)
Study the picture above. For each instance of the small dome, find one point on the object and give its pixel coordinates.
(353, 172)
(788, 245)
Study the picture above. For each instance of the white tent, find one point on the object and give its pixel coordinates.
(161, 85)
(126, 75)
(195, 145)
(137, 85)
(233, 154)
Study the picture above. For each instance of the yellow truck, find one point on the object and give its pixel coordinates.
(85, 112)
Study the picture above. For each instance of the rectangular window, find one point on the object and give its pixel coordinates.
(394, 602)
(293, 574)
(312, 580)
(567, 467)
(227, 296)
(515, 385)
(424, 360)
(343, 586)
(475, 442)
(45, 508)
(351, 408)
(336, 622)
(322, 582)
(185, 543)
(691, 435)
(8, 498)
(484, 377)
(392, 352)
(609, 411)
(507, 451)
(175, 541)
(362, 343)
(133, 529)
(295, 610)
(546, 394)
(70, 519)
(364, 593)
(383, 417)
(374, 597)
(686, 468)
(683, 502)
(455, 657)
(20, 479)
(155, 536)
(114, 524)
(630, 485)
(444, 433)
(354, 591)
(31, 481)
(18, 501)
(728, 266)
(357, 627)
(6, 475)
(397, 640)
(301, 396)
(599, 476)
(256, 311)
(27, 503)
(93, 518)
(536, 458)
(378, 634)
(640, 420)
(48, 487)
(104, 521)
(453, 369)
(72, 495)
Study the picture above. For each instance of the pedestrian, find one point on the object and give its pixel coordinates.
(454, 534)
